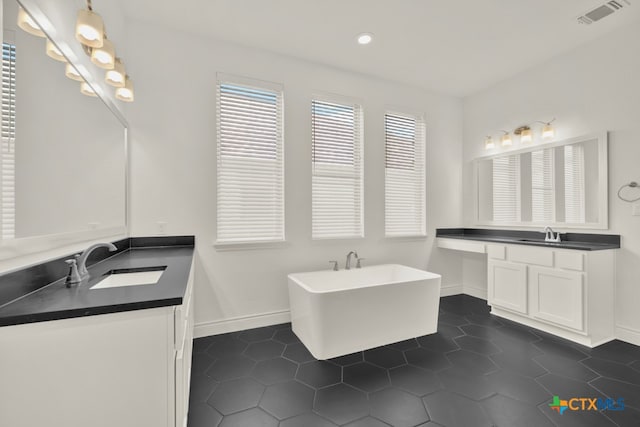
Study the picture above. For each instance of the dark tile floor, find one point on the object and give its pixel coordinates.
(478, 370)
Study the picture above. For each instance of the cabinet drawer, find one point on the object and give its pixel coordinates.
(461, 245)
(573, 260)
(530, 255)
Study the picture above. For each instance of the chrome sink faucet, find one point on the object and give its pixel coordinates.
(548, 235)
(347, 265)
(82, 259)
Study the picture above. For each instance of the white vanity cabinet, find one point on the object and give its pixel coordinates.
(125, 369)
(569, 293)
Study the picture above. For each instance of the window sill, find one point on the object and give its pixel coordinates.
(248, 246)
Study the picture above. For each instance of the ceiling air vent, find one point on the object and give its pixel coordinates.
(602, 11)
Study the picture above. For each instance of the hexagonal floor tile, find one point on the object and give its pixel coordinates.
(398, 408)
(449, 409)
(367, 422)
(203, 415)
(479, 331)
(319, 373)
(341, 403)
(449, 331)
(414, 380)
(437, 342)
(477, 345)
(257, 334)
(230, 367)
(287, 399)
(560, 349)
(286, 336)
(473, 363)
(427, 359)
(298, 353)
(263, 350)
(615, 351)
(484, 319)
(565, 367)
(386, 357)
(201, 388)
(476, 387)
(252, 417)
(276, 370)
(366, 376)
(613, 370)
(307, 420)
(200, 362)
(348, 359)
(504, 411)
(524, 389)
(452, 319)
(563, 386)
(226, 345)
(236, 395)
(577, 418)
(405, 345)
(519, 363)
(615, 389)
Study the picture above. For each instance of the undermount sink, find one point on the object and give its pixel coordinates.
(130, 277)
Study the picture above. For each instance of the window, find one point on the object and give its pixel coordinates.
(250, 176)
(336, 137)
(506, 189)
(8, 155)
(574, 184)
(542, 186)
(404, 175)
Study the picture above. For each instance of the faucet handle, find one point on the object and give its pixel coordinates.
(358, 262)
(335, 265)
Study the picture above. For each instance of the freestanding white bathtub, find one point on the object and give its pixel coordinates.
(340, 312)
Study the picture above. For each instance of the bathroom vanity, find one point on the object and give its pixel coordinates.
(564, 288)
(115, 356)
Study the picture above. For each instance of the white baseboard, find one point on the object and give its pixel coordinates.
(241, 323)
(449, 290)
(475, 292)
(627, 334)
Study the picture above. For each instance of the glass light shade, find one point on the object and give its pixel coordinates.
(26, 23)
(488, 143)
(72, 73)
(89, 28)
(365, 38)
(526, 136)
(505, 140)
(54, 52)
(105, 56)
(116, 77)
(86, 89)
(125, 93)
(548, 132)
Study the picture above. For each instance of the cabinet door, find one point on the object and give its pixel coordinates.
(508, 286)
(557, 296)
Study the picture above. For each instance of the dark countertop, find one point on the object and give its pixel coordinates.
(55, 301)
(576, 241)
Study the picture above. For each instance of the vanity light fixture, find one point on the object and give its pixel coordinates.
(89, 27)
(26, 23)
(72, 73)
(54, 52)
(116, 77)
(125, 93)
(526, 136)
(105, 56)
(488, 143)
(86, 89)
(548, 132)
(365, 38)
(505, 140)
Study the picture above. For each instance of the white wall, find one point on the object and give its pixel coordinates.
(595, 87)
(174, 169)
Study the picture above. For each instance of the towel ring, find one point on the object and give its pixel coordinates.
(632, 184)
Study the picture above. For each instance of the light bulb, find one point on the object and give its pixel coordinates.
(116, 77)
(105, 56)
(488, 143)
(548, 132)
(506, 139)
(54, 52)
(72, 73)
(125, 93)
(86, 89)
(526, 136)
(26, 23)
(365, 38)
(89, 28)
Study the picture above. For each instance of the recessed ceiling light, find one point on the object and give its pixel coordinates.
(365, 38)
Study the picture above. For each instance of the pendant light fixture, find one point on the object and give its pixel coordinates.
(26, 23)
(105, 56)
(125, 93)
(116, 77)
(488, 143)
(86, 89)
(72, 73)
(53, 52)
(89, 27)
(506, 139)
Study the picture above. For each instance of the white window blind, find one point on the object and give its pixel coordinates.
(542, 186)
(404, 175)
(8, 158)
(336, 137)
(506, 189)
(250, 176)
(574, 184)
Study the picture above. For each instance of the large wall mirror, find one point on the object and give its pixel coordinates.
(562, 184)
(63, 157)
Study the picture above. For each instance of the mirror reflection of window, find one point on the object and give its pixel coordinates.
(574, 184)
(8, 155)
(506, 189)
(542, 186)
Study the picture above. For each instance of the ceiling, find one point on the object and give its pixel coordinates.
(454, 47)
